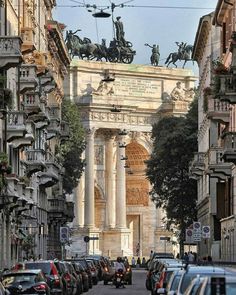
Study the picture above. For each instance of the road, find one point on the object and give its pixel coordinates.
(137, 288)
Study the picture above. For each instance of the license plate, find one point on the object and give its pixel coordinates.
(118, 279)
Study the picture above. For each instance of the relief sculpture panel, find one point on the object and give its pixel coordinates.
(137, 192)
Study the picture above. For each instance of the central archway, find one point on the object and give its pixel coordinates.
(137, 192)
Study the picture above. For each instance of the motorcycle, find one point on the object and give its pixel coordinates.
(119, 278)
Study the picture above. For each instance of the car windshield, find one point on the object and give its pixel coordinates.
(45, 267)
(18, 278)
(175, 283)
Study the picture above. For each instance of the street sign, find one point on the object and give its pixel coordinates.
(93, 238)
(206, 232)
(197, 237)
(197, 226)
(189, 236)
(86, 239)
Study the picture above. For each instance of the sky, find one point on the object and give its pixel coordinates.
(150, 24)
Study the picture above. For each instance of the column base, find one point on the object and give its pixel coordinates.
(79, 247)
(116, 242)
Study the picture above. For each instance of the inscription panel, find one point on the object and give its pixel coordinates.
(138, 87)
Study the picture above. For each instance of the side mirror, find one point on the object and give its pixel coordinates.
(161, 291)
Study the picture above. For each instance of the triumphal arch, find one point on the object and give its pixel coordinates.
(119, 103)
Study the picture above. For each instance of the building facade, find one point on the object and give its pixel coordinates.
(119, 103)
(33, 65)
(213, 165)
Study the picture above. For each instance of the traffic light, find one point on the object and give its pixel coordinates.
(64, 234)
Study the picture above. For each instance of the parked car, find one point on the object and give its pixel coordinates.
(67, 286)
(195, 285)
(26, 282)
(71, 280)
(206, 287)
(98, 263)
(172, 285)
(3, 290)
(77, 277)
(85, 265)
(94, 271)
(80, 270)
(204, 271)
(51, 273)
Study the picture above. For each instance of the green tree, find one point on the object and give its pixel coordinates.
(174, 143)
(72, 149)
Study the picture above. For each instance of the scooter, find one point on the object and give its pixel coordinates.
(119, 279)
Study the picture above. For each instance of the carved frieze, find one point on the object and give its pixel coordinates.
(116, 117)
(137, 193)
(99, 154)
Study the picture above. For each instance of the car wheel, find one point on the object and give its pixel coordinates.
(105, 282)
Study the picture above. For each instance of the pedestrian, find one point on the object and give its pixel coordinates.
(185, 257)
(133, 262)
(151, 255)
(209, 259)
(143, 262)
(191, 257)
(138, 262)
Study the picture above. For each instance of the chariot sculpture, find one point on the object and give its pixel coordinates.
(119, 49)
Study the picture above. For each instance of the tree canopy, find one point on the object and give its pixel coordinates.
(72, 149)
(174, 143)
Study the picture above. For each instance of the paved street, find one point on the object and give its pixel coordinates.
(138, 287)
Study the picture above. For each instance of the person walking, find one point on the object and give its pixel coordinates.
(138, 262)
(133, 262)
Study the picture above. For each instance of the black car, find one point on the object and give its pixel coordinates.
(51, 273)
(26, 282)
(85, 265)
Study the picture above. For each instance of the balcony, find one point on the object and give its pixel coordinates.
(35, 161)
(65, 131)
(197, 166)
(218, 110)
(46, 79)
(28, 78)
(51, 176)
(28, 37)
(229, 147)
(41, 119)
(10, 52)
(10, 195)
(217, 168)
(28, 138)
(54, 125)
(31, 103)
(16, 126)
(69, 212)
(56, 207)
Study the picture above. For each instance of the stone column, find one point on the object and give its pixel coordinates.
(89, 202)
(110, 196)
(79, 203)
(120, 186)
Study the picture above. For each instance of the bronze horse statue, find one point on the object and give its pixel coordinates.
(185, 55)
(84, 48)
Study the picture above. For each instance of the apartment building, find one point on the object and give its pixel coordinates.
(33, 62)
(214, 166)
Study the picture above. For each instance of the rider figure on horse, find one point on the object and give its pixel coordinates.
(182, 47)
